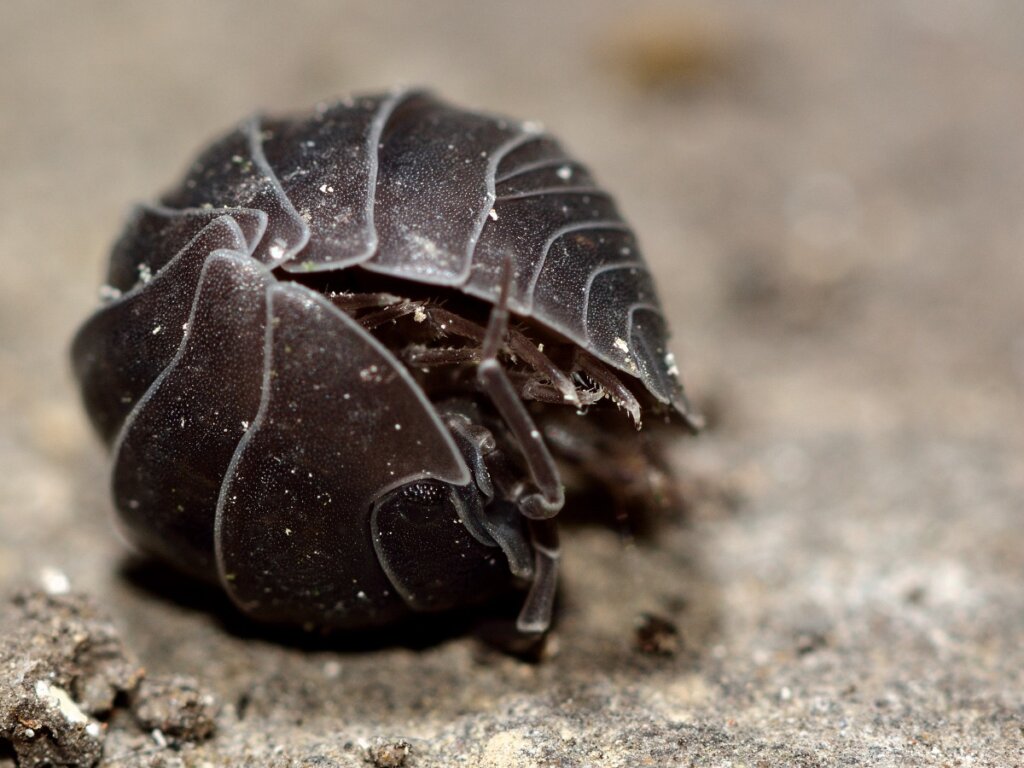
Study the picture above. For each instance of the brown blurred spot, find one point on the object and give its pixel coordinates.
(669, 49)
(656, 636)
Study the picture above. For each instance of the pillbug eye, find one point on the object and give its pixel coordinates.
(424, 503)
(425, 494)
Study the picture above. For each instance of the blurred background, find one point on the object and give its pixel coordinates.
(831, 197)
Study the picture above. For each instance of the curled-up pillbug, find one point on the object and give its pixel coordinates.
(334, 363)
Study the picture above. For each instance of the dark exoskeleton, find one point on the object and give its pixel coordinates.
(328, 360)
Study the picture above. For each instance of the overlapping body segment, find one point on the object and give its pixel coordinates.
(405, 185)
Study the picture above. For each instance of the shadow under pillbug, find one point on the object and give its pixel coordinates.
(334, 363)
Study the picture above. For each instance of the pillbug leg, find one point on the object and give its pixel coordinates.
(530, 354)
(353, 302)
(495, 383)
(532, 389)
(494, 520)
(518, 345)
(535, 616)
(388, 314)
(601, 375)
(420, 356)
(550, 499)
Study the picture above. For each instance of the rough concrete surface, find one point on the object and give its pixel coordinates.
(830, 195)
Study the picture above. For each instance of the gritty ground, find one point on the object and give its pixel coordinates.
(830, 195)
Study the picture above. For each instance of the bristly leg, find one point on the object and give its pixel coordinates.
(583, 383)
(608, 383)
(389, 308)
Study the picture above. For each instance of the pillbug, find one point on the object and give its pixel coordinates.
(333, 364)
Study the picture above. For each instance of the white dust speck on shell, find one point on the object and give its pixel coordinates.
(493, 214)
(423, 248)
(109, 293)
(670, 363)
(370, 374)
(419, 315)
(621, 344)
(564, 173)
(277, 249)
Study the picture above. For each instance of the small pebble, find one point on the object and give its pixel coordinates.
(388, 753)
(656, 636)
